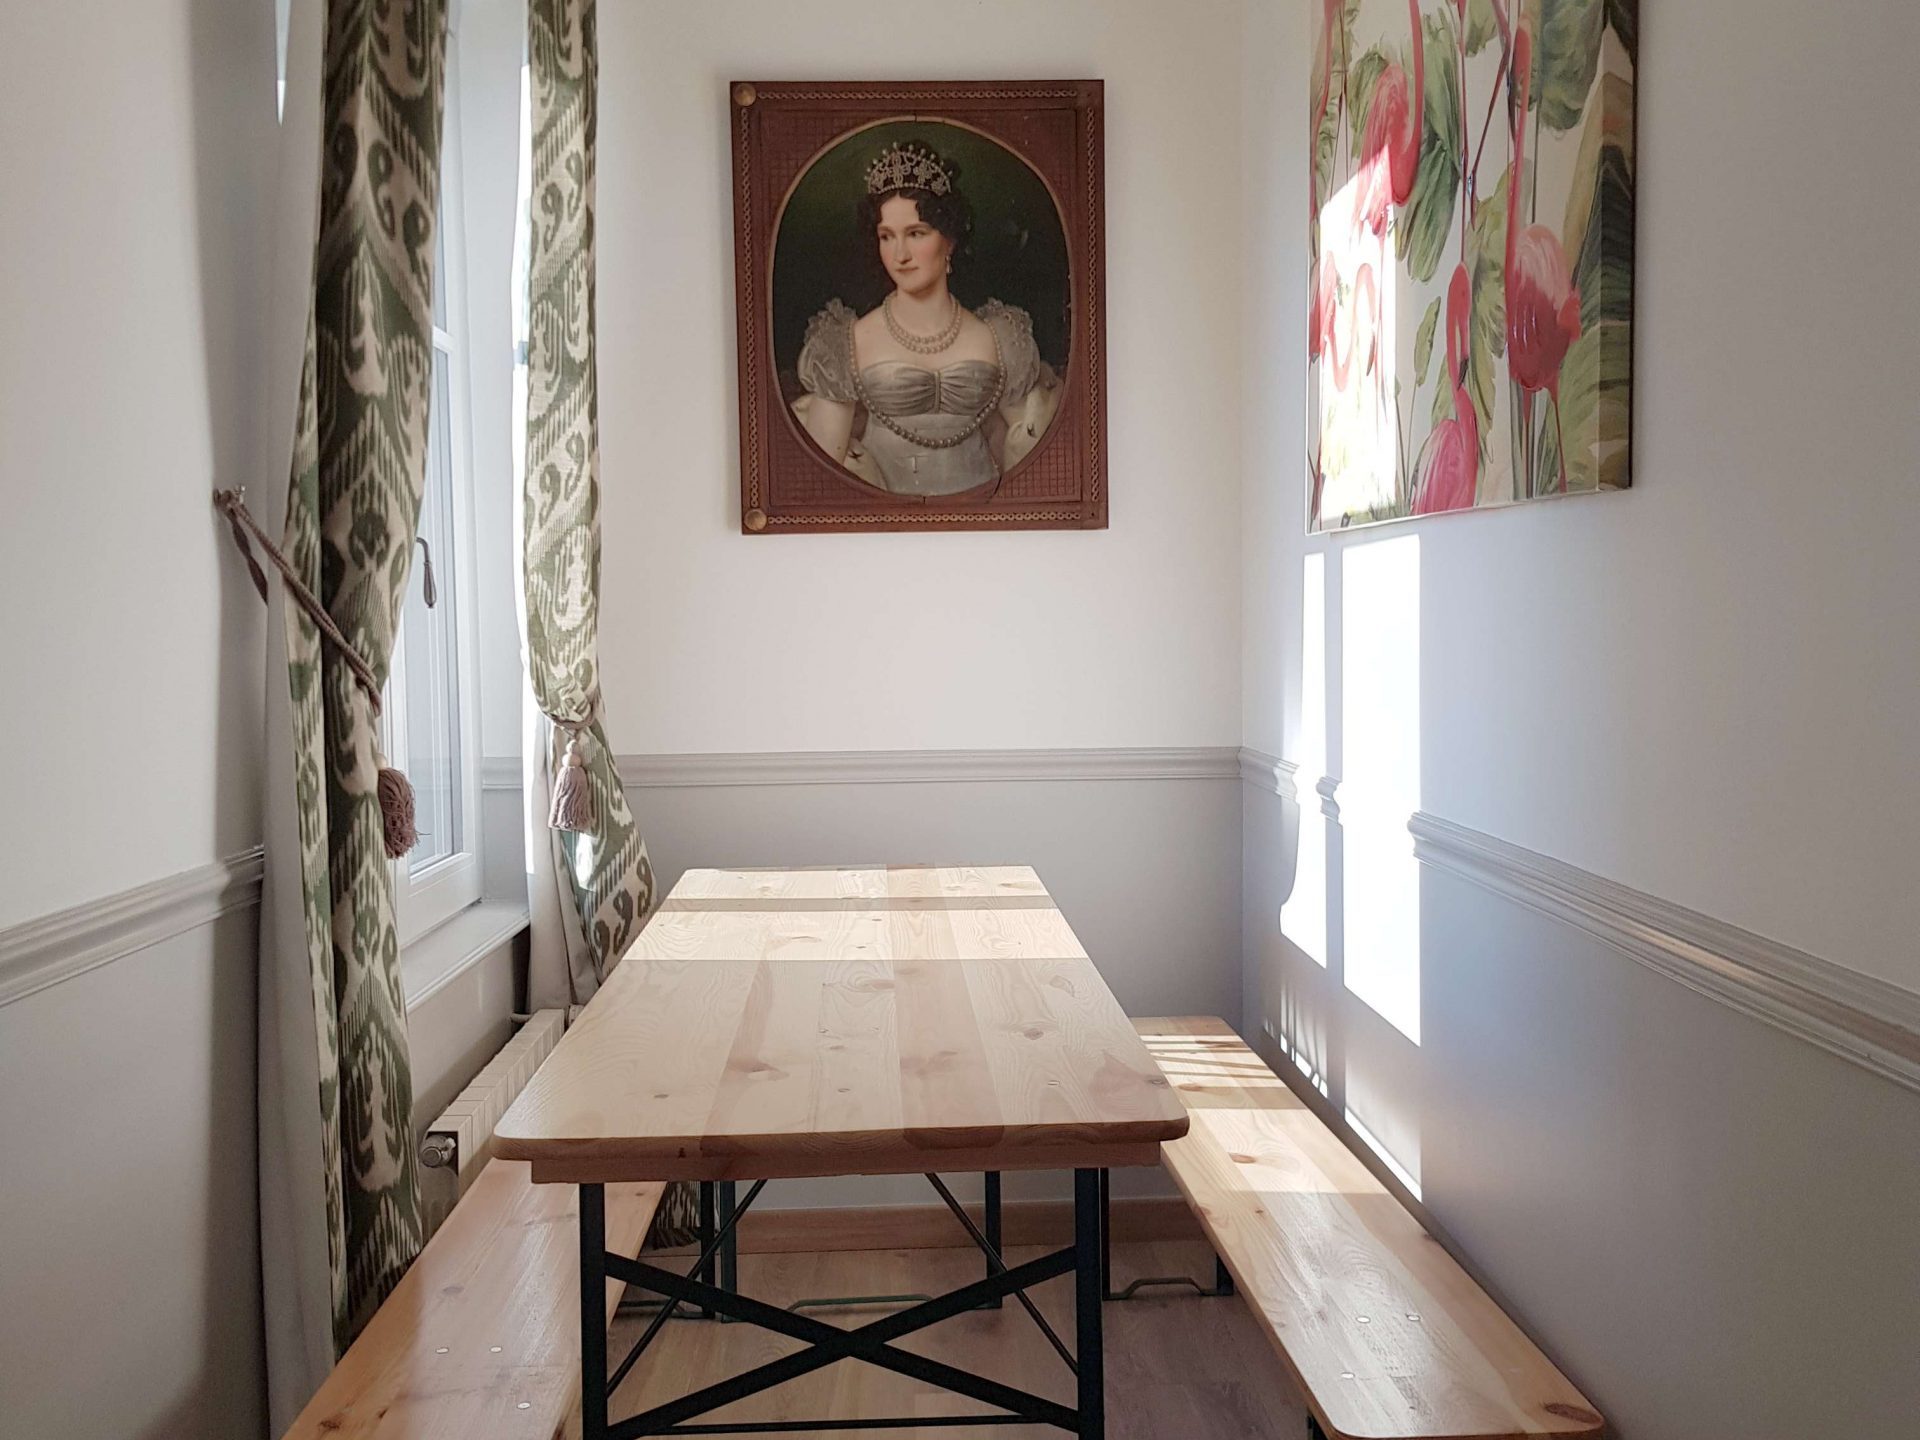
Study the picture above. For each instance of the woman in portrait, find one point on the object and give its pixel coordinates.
(951, 397)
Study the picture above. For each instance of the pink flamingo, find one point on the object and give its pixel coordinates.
(1390, 149)
(1326, 280)
(1447, 474)
(1543, 307)
(1366, 341)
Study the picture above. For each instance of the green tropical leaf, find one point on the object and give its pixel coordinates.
(1423, 342)
(1596, 390)
(1481, 25)
(1326, 141)
(1362, 77)
(1330, 78)
(1442, 400)
(1421, 234)
(1566, 54)
(1623, 18)
(1596, 378)
(1609, 127)
(1487, 246)
(1603, 265)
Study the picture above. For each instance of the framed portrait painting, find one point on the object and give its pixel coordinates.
(920, 297)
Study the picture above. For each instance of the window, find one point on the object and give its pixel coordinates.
(431, 710)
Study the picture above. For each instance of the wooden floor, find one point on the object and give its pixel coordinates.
(1178, 1368)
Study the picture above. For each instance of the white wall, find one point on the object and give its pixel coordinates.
(1700, 688)
(139, 181)
(711, 641)
(130, 1260)
(152, 352)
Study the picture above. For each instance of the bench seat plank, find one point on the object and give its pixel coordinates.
(1384, 1333)
(485, 1322)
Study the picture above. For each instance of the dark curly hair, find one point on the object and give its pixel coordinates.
(949, 214)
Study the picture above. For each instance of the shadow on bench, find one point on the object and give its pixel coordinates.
(1385, 1335)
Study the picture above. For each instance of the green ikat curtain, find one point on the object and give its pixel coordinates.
(340, 1211)
(598, 867)
(604, 864)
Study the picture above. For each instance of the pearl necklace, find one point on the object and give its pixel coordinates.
(922, 344)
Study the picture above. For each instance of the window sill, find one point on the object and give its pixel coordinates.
(443, 954)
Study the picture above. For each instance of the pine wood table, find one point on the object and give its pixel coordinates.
(864, 1020)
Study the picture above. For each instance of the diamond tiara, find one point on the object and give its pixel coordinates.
(908, 167)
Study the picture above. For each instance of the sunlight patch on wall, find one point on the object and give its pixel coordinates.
(1380, 785)
(1303, 916)
(1373, 1142)
(1356, 389)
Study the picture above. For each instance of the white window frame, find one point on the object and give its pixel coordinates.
(427, 900)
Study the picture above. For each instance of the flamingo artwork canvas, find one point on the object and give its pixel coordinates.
(1470, 300)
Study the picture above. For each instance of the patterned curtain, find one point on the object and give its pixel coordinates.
(340, 1212)
(602, 861)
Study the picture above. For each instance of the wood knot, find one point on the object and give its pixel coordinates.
(1239, 1158)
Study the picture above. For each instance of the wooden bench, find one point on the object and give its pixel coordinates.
(481, 1339)
(1386, 1337)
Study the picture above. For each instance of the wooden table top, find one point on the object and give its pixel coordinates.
(880, 1020)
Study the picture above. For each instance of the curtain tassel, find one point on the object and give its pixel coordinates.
(572, 794)
(399, 832)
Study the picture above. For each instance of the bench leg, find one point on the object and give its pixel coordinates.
(1088, 1295)
(1222, 1280)
(1314, 1432)
(593, 1312)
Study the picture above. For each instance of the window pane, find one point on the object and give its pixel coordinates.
(440, 267)
(432, 668)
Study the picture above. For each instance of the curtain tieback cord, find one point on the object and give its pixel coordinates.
(399, 832)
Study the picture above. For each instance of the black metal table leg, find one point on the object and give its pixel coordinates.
(706, 1239)
(730, 1247)
(993, 1226)
(1106, 1236)
(593, 1312)
(1088, 1294)
(823, 1345)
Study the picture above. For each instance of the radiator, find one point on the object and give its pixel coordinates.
(459, 1143)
